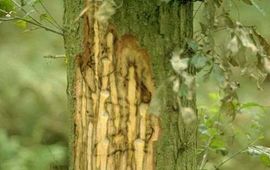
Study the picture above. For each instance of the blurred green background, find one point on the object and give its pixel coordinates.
(33, 111)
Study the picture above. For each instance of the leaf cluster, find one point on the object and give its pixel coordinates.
(33, 12)
(241, 48)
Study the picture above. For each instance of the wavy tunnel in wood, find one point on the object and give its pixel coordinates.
(113, 89)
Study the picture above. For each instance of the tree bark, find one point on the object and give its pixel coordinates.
(115, 70)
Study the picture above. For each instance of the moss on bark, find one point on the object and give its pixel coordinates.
(73, 45)
(161, 28)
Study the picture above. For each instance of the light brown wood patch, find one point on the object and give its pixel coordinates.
(113, 89)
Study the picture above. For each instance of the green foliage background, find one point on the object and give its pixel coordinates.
(231, 137)
(33, 114)
(33, 111)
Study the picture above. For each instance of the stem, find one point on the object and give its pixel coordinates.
(231, 157)
(33, 23)
(235, 154)
(197, 10)
(204, 160)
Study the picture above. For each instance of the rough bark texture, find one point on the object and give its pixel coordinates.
(161, 29)
(111, 85)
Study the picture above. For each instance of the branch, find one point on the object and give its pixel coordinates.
(21, 8)
(33, 23)
(37, 23)
(50, 22)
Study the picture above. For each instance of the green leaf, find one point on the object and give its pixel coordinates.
(217, 143)
(44, 17)
(214, 96)
(21, 24)
(251, 104)
(213, 132)
(209, 123)
(205, 72)
(199, 61)
(193, 45)
(219, 146)
(218, 74)
(6, 5)
(265, 160)
(183, 90)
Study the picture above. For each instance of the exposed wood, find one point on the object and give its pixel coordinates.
(113, 88)
(111, 85)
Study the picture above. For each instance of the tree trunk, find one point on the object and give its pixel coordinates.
(116, 69)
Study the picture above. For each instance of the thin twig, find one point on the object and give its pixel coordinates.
(197, 10)
(55, 56)
(33, 23)
(31, 29)
(205, 155)
(49, 21)
(26, 13)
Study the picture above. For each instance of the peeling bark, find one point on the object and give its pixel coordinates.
(111, 86)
